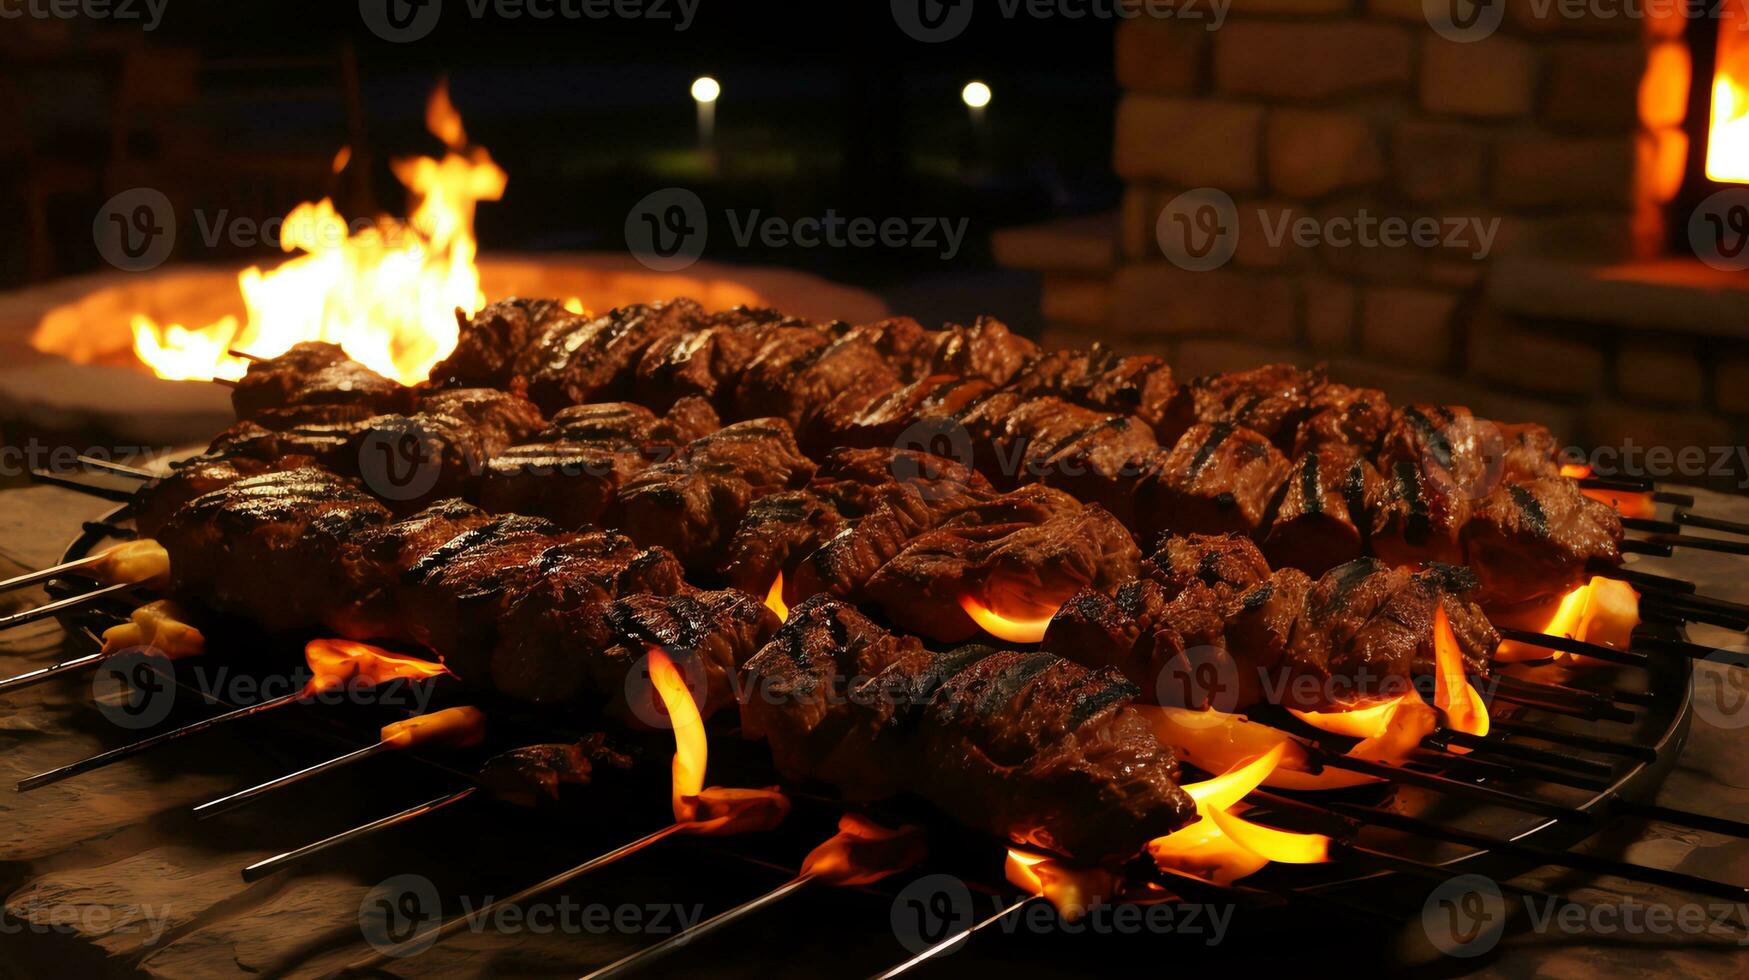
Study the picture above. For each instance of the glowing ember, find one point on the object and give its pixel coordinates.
(388, 293)
(864, 852)
(691, 750)
(1226, 849)
(1465, 711)
(1727, 151)
(774, 599)
(334, 664)
(1603, 611)
(1004, 627)
(1628, 503)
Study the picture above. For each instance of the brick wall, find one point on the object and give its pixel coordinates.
(1561, 138)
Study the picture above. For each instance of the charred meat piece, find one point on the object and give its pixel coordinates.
(1537, 538)
(1101, 379)
(1170, 643)
(412, 460)
(1532, 452)
(1028, 746)
(902, 341)
(1459, 454)
(1325, 511)
(1417, 519)
(532, 774)
(986, 350)
(692, 504)
(707, 361)
(899, 513)
(796, 383)
(1021, 554)
(159, 501)
(576, 361)
(1340, 416)
(504, 418)
(573, 475)
(299, 523)
(489, 342)
(373, 572)
(315, 373)
(921, 415)
(555, 648)
(325, 442)
(1096, 456)
(1271, 400)
(1378, 622)
(1219, 477)
(781, 529)
(1228, 563)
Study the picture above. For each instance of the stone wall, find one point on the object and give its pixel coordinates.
(1555, 143)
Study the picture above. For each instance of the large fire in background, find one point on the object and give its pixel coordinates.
(387, 293)
(1727, 151)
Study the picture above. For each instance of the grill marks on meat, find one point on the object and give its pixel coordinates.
(797, 381)
(1022, 553)
(692, 504)
(579, 360)
(572, 475)
(1417, 519)
(1219, 477)
(1099, 378)
(1361, 629)
(1342, 417)
(1537, 538)
(489, 342)
(1029, 746)
(1322, 518)
(986, 350)
(922, 415)
(708, 361)
(315, 374)
(1271, 400)
(159, 501)
(299, 522)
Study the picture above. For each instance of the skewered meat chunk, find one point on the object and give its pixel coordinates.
(986, 349)
(1340, 416)
(782, 529)
(1323, 515)
(1532, 452)
(297, 522)
(505, 418)
(1228, 563)
(1100, 378)
(692, 504)
(708, 360)
(1095, 456)
(796, 382)
(1021, 554)
(1460, 455)
(912, 415)
(315, 373)
(528, 775)
(902, 341)
(573, 476)
(1271, 400)
(1029, 746)
(489, 343)
(575, 361)
(845, 562)
(1417, 519)
(372, 573)
(556, 646)
(1219, 477)
(1158, 637)
(159, 501)
(325, 442)
(1537, 538)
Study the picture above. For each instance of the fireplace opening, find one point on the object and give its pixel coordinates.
(1727, 121)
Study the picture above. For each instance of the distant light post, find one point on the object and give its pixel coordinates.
(705, 92)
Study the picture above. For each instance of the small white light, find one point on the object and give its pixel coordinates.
(975, 94)
(706, 89)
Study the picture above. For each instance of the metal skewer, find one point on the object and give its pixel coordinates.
(118, 469)
(90, 489)
(954, 938)
(54, 571)
(267, 866)
(62, 605)
(37, 676)
(119, 753)
(705, 928)
(1692, 519)
(460, 727)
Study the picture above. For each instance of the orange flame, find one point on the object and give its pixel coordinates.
(1727, 151)
(1071, 890)
(1604, 611)
(336, 663)
(864, 852)
(387, 292)
(774, 598)
(1227, 847)
(1629, 503)
(1004, 627)
(1361, 721)
(1465, 711)
(691, 749)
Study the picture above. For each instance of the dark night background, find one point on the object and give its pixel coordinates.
(243, 105)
